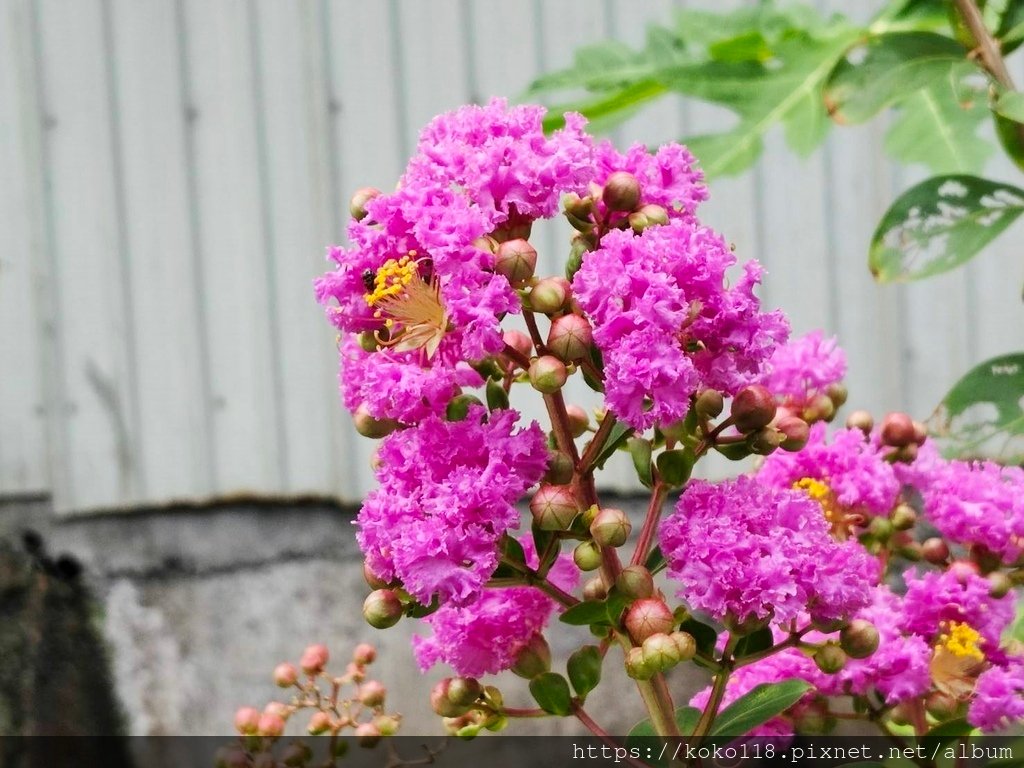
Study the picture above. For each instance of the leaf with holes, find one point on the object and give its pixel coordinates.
(983, 414)
(939, 224)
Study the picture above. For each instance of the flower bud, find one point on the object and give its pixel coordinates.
(611, 528)
(285, 675)
(753, 408)
(686, 645)
(935, 551)
(247, 721)
(357, 205)
(999, 584)
(364, 654)
(578, 207)
(278, 708)
(880, 528)
(962, 570)
(519, 341)
(314, 659)
(660, 652)
(646, 617)
(319, 723)
(635, 581)
(372, 693)
(367, 426)
(636, 667)
(838, 394)
(765, 442)
(859, 639)
(458, 407)
(897, 430)
(830, 658)
(570, 337)
(821, 408)
(516, 260)
(587, 556)
(534, 658)
(579, 421)
(372, 579)
(709, 404)
(548, 374)
(656, 215)
(554, 507)
(595, 589)
(861, 420)
(903, 517)
(382, 608)
(463, 690)
(941, 705)
(638, 222)
(270, 724)
(560, 468)
(906, 455)
(442, 704)
(920, 432)
(368, 341)
(386, 724)
(748, 625)
(621, 191)
(367, 734)
(795, 431)
(549, 295)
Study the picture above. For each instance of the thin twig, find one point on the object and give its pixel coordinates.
(988, 47)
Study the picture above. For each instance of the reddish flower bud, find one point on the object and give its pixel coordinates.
(549, 295)
(372, 579)
(935, 551)
(963, 570)
(579, 421)
(516, 260)
(382, 608)
(444, 706)
(587, 556)
(570, 337)
(647, 617)
(859, 639)
(610, 528)
(357, 205)
(554, 507)
(920, 432)
(548, 374)
(861, 420)
(519, 341)
(314, 659)
(364, 654)
(821, 408)
(560, 469)
(372, 693)
(285, 675)
(897, 430)
(830, 658)
(635, 581)
(319, 723)
(271, 725)
(463, 690)
(595, 589)
(838, 394)
(621, 191)
(247, 720)
(367, 734)
(795, 431)
(753, 408)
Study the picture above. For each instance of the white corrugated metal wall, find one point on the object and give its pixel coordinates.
(170, 171)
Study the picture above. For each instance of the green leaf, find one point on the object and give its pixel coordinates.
(415, 610)
(704, 634)
(888, 68)
(1011, 136)
(655, 561)
(551, 691)
(606, 112)
(620, 432)
(644, 738)
(497, 397)
(640, 451)
(939, 224)
(675, 466)
(584, 669)
(586, 612)
(755, 642)
(758, 706)
(1010, 104)
(944, 733)
(615, 605)
(937, 127)
(982, 416)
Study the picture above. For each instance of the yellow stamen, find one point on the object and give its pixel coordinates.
(962, 640)
(403, 298)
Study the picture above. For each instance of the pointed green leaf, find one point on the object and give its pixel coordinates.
(704, 634)
(944, 733)
(617, 437)
(755, 642)
(675, 466)
(983, 414)
(758, 706)
(584, 669)
(656, 561)
(640, 451)
(939, 224)
(497, 397)
(551, 692)
(1010, 104)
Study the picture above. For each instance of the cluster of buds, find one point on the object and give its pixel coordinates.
(320, 692)
(650, 624)
(618, 204)
(763, 427)
(467, 707)
(823, 406)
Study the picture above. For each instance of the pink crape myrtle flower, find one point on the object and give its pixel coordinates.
(803, 368)
(666, 322)
(447, 495)
(486, 635)
(998, 700)
(743, 550)
(935, 599)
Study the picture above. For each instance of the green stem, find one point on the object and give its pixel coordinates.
(659, 706)
(707, 717)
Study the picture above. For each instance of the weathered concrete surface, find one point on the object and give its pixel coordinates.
(200, 602)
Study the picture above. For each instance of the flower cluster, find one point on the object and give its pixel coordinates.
(804, 369)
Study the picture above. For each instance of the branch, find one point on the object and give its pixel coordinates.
(643, 543)
(988, 47)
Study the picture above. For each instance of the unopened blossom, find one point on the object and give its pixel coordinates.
(486, 635)
(803, 369)
(668, 177)
(667, 321)
(447, 494)
(846, 475)
(998, 700)
(744, 550)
